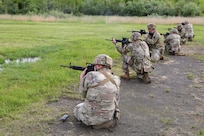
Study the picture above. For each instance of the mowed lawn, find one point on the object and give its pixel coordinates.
(55, 43)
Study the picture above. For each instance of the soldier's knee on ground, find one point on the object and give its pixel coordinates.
(155, 56)
(153, 59)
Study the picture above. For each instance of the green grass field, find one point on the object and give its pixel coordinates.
(55, 43)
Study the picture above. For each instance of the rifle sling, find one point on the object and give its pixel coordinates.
(100, 83)
(115, 101)
(107, 79)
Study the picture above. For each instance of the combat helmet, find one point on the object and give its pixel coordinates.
(136, 36)
(151, 25)
(180, 26)
(174, 30)
(103, 59)
(187, 22)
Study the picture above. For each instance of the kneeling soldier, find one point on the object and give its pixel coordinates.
(101, 91)
(139, 58)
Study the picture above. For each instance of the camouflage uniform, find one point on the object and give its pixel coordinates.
(182, 32)
(173, 42)
(124, 55)
(139, 58)
(102, 97)
(189, 30)
(154, 42)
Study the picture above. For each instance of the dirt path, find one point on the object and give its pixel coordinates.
(172, 105)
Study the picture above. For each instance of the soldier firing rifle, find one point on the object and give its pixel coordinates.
(90, 67)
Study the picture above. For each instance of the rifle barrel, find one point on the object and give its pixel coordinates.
(133, 31)
(108, 39)
(64, 66)
(77, 68)
(74, 67)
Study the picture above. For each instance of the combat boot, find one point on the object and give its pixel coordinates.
(139, 76)
(125, 76)
(183, 41)
(161, 57)
(146, 78)
(190, 39)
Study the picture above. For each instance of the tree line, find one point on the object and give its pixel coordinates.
(105, 7)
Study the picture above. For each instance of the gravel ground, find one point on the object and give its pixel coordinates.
(172, 105)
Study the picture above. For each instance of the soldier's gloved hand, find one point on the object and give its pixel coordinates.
(145, 36)
(114, 41)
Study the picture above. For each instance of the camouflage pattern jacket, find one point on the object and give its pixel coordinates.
(102, 96)
(140, 53)
(189, 30)
(154, 42)
(172, 39)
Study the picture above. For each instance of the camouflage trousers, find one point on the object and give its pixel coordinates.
(189, 36)
(155, 55)
(172, 48)
(138, 65)
(82, 113)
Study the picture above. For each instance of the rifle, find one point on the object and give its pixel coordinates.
(166, 34)
(142, 31)
(182, 23)
(123, 41)
(90, 67)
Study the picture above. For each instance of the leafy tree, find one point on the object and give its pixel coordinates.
(190, 9)
(104, 7)
(10, 6)
(23, 6)
(117, 7)
(166, 9)
(135, 9)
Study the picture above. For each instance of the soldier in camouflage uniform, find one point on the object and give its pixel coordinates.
(153, 40)
(182, 32)
(139, 58)
(173, 42)
(101, 91)
(189, 30)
